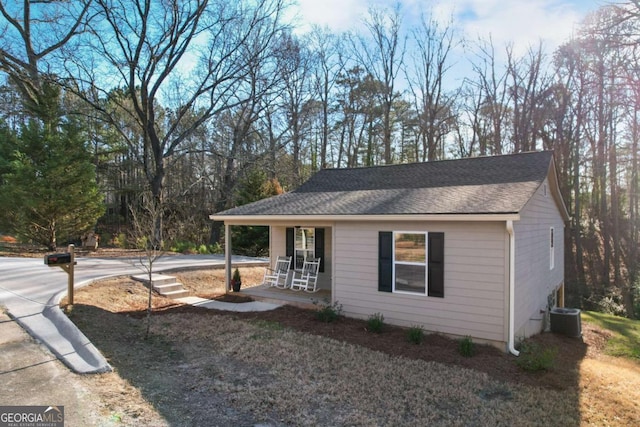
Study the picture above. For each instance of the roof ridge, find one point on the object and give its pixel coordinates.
(486, 156)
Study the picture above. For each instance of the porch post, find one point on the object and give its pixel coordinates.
(333, 263)
(227, 257)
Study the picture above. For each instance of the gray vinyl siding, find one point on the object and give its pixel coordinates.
(534, 280)
(278, 247)
(475, 279)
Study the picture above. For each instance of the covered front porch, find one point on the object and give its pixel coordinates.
(297, 298)
(300, 242)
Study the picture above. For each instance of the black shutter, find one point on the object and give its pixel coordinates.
(435, 274)
(319, 249)
(385, 261)
(291, 238)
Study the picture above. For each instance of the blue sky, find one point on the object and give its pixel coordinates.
(522, 22)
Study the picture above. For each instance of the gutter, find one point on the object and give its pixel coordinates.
(330, 218)
(512, 287)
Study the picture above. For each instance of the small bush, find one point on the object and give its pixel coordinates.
(466, 347)
(415, 334)
(183, 247)
(142, 242)
(120, 241)
(375, 323)
(203, 250)
(533, 357)
(216, 248)
(610, 304)
(328, 312)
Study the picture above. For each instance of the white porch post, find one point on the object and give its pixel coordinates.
(333, 263)
(227, 257)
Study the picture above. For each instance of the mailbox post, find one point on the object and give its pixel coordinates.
(66, 261)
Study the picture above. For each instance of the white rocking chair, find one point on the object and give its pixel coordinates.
(277, 276)
(307, 279)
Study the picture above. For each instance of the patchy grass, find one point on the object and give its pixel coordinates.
(244, 369)
(625, 339)
(200, 366)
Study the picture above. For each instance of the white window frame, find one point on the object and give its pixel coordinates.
(425, 264)
(309, 252)
(552, 249)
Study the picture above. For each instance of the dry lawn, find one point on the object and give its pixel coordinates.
(202, 367)
(210, 283)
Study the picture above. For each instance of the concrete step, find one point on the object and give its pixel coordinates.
(164, 285)
(156, 279)
(169, 287)
(176, 294)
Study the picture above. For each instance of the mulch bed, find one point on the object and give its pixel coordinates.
(232, 298)
(435, 347)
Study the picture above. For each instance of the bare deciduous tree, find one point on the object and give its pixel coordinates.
(180, 62)
(493, 108)
(144, 235)
(528, 89)
(433, 103)
(30, 35)
(328, 50)
(382, 57)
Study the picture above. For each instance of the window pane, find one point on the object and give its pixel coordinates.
(410, 278)
(410, 247)
(304, 246)
(305, 238)
(300, 238)
(310, 240)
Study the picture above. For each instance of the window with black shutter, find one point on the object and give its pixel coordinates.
(411, 262)
(290, 245)
(385, 261)
(303, 244)
(319, 247)
(435, 275)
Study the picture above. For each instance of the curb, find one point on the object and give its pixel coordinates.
(78, 353)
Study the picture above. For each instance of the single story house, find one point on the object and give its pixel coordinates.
(468, 247)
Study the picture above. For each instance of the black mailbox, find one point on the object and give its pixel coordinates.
(57, 259)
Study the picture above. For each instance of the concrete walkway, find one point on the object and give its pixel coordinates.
(242, 307)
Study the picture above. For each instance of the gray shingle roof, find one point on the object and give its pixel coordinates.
(480, 185)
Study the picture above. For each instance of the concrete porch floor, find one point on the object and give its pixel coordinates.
(287, 296)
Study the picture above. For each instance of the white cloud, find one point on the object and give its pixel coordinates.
(338, 15)
(522, 22)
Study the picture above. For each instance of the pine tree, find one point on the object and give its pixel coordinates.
(49, 187)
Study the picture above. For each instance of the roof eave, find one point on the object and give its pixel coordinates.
(270, 219)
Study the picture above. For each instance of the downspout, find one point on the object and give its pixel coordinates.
(512, 287)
